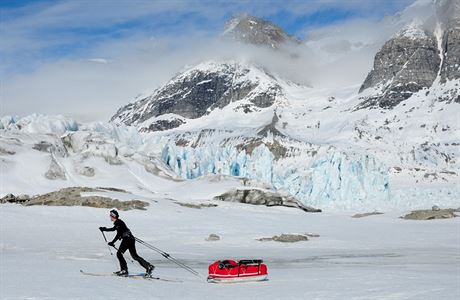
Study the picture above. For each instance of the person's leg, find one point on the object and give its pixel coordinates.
(123, 247)
(136, 257)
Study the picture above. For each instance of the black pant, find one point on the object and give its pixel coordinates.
(129, 244)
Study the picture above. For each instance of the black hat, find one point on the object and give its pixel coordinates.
(114, 213)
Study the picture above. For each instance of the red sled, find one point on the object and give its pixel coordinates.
(242, 271)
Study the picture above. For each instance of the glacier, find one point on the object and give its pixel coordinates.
(335, 179)
(36, 123)
(324, 175)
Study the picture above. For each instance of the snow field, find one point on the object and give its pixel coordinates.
(378, 257)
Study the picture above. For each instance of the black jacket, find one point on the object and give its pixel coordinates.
(123, 231)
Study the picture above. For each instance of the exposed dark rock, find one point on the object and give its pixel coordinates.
(57, 148)
(72, 197)
(412, 60)
(431, 214)
(271, 128)
(6, 151)
(367, 214)
(213, 237)
(263, 197)
(196, 92)
(252, 30)
(286, 238)
(406, 64)
(276, 147)
(161, 125)
(312, 235)
(87, 171)
(112, 189)
(10, 198)
(196, 206)
(43, 147)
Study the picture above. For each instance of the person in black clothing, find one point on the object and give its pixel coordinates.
(127, 243)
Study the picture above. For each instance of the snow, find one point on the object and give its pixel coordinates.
(378, 257)
(414, 30)
(36, 123)
(328, 155)
(332, 157)
(336, 158)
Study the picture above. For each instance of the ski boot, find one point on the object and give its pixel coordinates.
(148, 272)
(122, 273)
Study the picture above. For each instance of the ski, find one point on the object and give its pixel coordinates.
(132, 276)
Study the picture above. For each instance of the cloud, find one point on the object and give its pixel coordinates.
(82, 59)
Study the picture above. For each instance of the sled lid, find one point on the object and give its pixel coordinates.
(250, 261)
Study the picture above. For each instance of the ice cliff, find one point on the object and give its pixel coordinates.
(333, 179)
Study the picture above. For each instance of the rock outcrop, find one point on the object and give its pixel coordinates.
(431, 214)
(263, 197)
(286, 238)
(213, 237)
(196, 206)
(10, 198)
(363, 215)
(72, 197)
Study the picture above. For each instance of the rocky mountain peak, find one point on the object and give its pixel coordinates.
(256, 31)
(407, 63)
(199, 90)
(423, 55)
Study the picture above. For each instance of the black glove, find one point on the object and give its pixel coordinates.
(102, 228)
(111, 244)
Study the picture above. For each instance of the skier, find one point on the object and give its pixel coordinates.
(127, 243)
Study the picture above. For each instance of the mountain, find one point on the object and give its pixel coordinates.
(256, 31)
(198, 91)
(417, 58)
(406, 64)
(392, 144)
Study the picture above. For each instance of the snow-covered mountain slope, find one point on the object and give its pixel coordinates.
(406, 64)
(422, 55)
(313, 146)
(323, 152)
(198, 91)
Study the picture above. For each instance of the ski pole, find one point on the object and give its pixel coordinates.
(112, 246)
(167, 256)
(107, 243)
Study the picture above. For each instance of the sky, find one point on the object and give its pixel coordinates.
(86, 58)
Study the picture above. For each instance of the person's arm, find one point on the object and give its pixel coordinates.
(108, 229)
(116, 226)
(116, 238)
